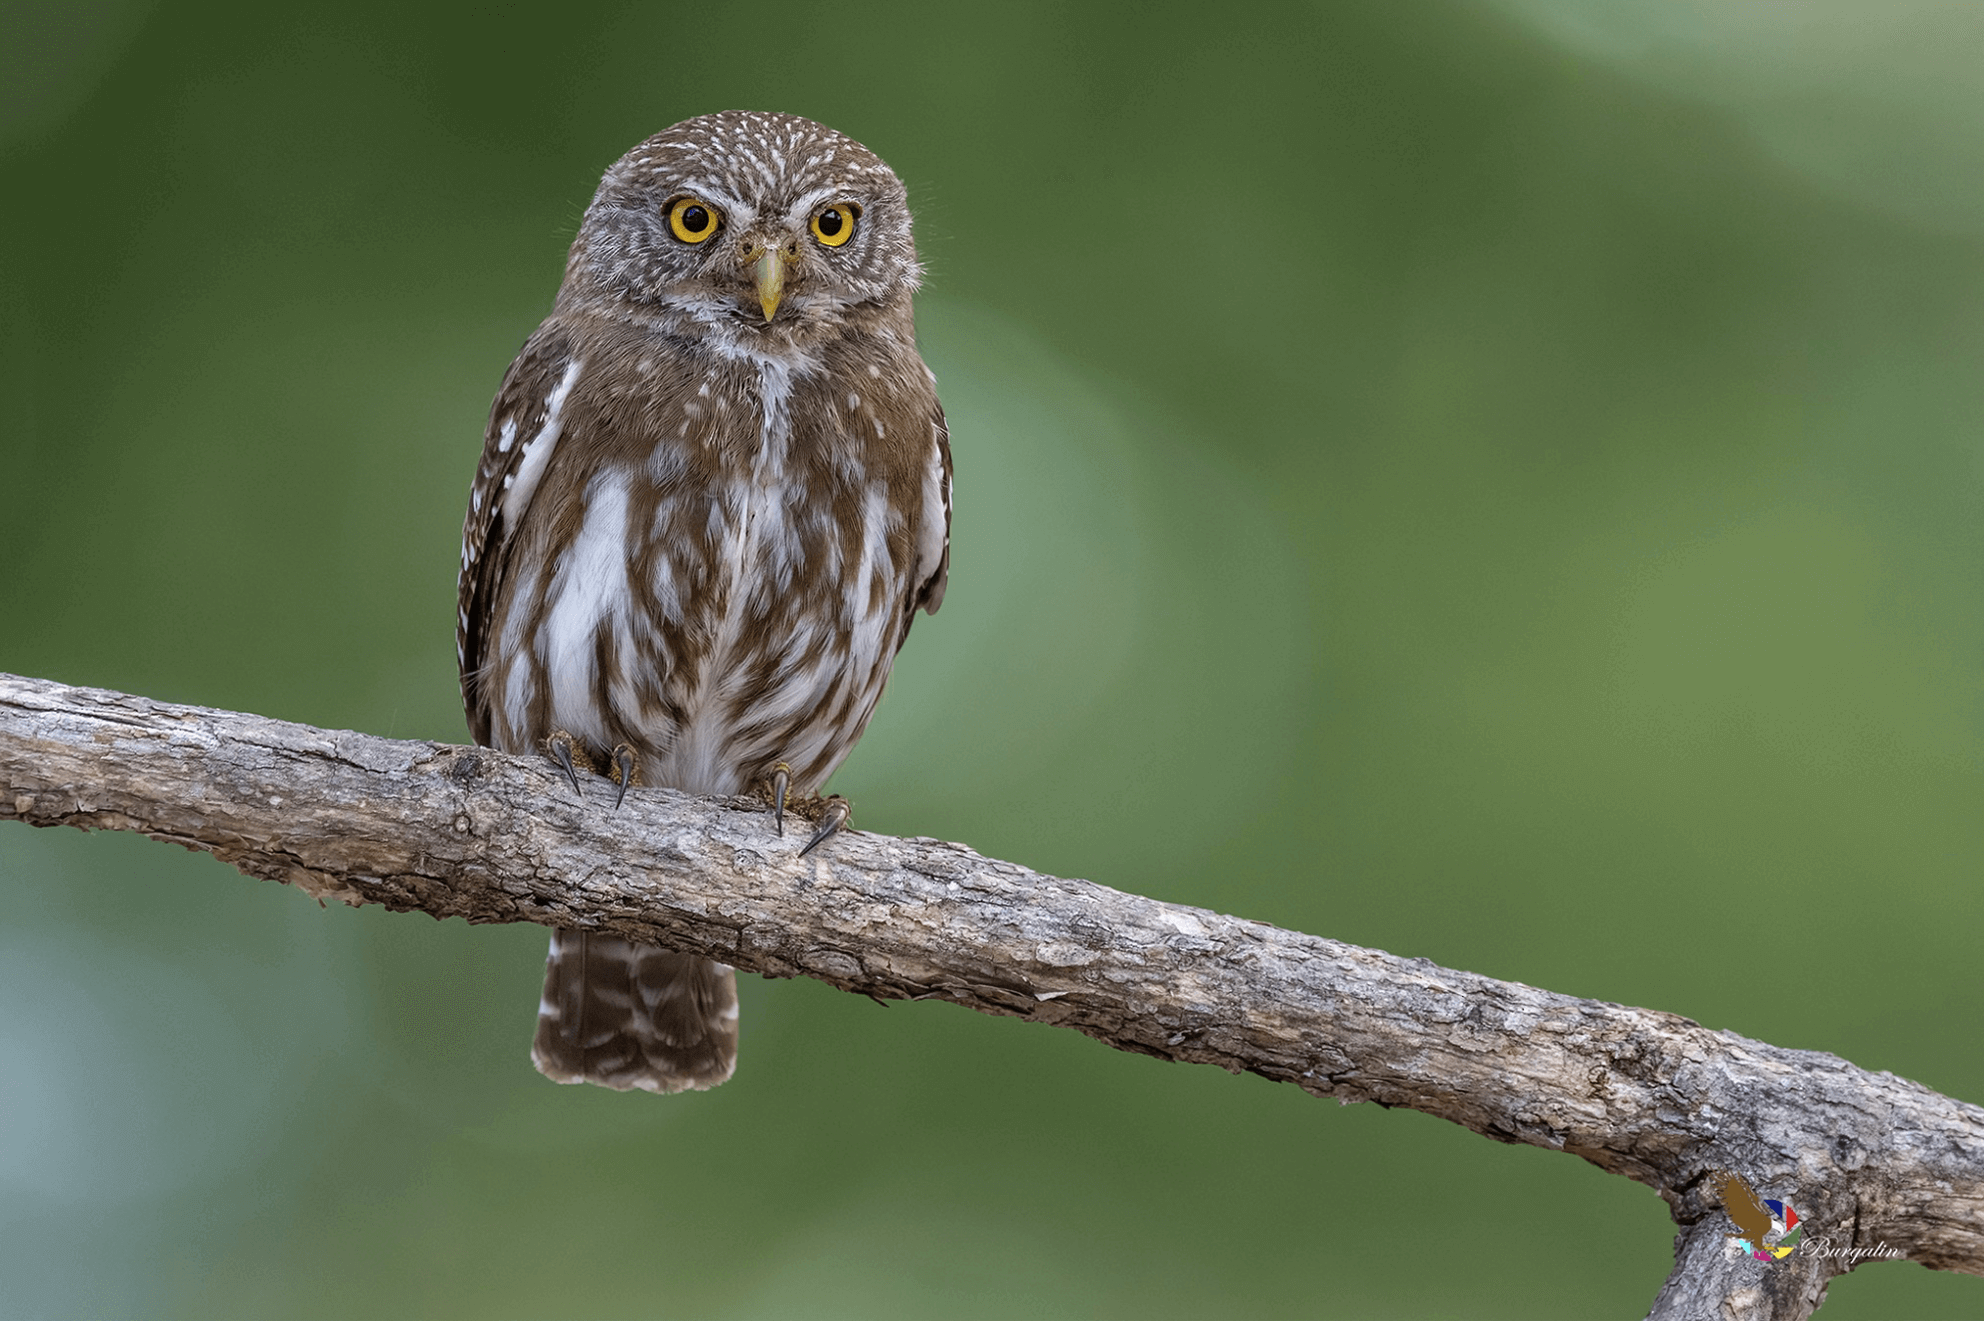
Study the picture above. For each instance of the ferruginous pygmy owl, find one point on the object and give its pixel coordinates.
(715, 488)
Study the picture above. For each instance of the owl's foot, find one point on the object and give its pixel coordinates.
(566, 751)
(827, 814)
(625, 771)
(834, 813)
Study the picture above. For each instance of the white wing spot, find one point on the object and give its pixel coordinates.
(530, 465)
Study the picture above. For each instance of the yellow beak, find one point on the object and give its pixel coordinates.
(768, 273)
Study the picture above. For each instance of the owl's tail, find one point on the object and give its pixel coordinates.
(624, 1015)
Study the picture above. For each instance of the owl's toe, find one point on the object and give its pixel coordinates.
(625, 770)
(781, 786)
(565, 750)
(834, 813)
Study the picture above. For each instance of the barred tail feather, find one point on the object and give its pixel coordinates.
(624, 1015)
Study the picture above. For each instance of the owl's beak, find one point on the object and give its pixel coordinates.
(768, 266)
(768, 273)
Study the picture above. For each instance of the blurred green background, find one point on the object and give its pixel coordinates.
(1499, 482)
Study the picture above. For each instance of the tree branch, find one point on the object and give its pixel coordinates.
(1868, 1159)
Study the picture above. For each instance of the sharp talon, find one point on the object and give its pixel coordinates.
(561, 752)
(781, 782)
(831, 821)
(623, 761)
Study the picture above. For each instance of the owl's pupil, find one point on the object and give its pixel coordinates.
(695, 219)
(830, 223)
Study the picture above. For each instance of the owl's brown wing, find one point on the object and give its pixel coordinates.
(524, 426)
(933, 565)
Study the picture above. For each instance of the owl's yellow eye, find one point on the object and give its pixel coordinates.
(692, 221)
(834, 225)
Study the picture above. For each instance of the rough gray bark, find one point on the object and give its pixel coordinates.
(1868, 1159)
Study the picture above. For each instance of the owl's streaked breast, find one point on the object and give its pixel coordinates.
(723, 590)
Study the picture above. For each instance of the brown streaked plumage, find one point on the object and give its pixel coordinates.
(714, 489)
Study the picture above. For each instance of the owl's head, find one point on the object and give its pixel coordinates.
(754, 225)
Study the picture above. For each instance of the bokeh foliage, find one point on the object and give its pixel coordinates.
(1496, 482)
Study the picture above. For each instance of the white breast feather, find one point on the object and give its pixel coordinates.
(588, 591)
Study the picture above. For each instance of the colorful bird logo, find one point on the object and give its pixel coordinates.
(1770, 1227)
